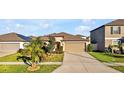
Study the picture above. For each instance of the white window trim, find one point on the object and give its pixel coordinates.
(111, 38)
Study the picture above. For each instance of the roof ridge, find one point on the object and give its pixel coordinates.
(14, 37)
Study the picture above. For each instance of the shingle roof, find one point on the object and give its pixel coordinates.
(13, 37)
(118, 22)
(45, 38)
(66, 37)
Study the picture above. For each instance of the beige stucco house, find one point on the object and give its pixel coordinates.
(71, 43)
(108, 34)
(11, 42)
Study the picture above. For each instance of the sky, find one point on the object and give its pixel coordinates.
(39, 27)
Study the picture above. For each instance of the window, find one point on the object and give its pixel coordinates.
(115, 42)
(115, 30)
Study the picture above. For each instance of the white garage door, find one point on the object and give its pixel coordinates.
(9, 47)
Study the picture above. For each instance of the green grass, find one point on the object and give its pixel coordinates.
(101, 56)
(51, 58)
(23, 69)
(119, 68)
(9, 58)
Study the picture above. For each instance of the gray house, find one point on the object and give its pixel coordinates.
(108, 34)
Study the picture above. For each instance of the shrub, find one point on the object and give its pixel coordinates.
(89, 48)
(59, 49)
(45, 48)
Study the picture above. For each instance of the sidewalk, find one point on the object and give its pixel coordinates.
(114, 64)
(22, 63)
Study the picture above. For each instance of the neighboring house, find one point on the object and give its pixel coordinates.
(70, 43)
(109, 34)
(12, 42)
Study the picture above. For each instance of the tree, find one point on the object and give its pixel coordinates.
(51, 44)
(33, 51)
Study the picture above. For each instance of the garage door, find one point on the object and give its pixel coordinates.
(75, 46)
(9, 47)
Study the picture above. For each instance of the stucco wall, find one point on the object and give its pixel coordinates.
(58, 39)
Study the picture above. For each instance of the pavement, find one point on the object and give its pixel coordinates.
(3, 53)
(22, 63)
(82, 63)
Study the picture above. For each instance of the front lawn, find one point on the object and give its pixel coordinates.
(101, 56)
(51, 58)
(9, 58)
(119, 68)
(23, 69)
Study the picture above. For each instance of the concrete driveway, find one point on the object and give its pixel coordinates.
(3, 53)
(82, 63)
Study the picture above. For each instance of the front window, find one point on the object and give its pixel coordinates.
(115, 30)
(115, 42)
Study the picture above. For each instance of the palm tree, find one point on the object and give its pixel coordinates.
(33, 52)
(51, 44)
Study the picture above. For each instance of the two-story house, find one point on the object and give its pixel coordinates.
(108, 34)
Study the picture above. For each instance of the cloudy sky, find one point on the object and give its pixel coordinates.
(42, 27)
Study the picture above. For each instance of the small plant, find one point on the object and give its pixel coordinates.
(89, 48)
(108, 50)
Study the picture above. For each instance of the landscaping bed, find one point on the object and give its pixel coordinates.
(103, 57)
(50, 58)
(23, 69)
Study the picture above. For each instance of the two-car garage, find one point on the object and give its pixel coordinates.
(9, 47)
(75, 46)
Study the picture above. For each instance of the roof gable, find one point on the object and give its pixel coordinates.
(66, 36)
(13, 37)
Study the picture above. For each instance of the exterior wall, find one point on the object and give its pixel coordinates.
(108, 42)
(110, 37)
(98, 36)
(63, 44)
(21, 45)
(58, 39)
